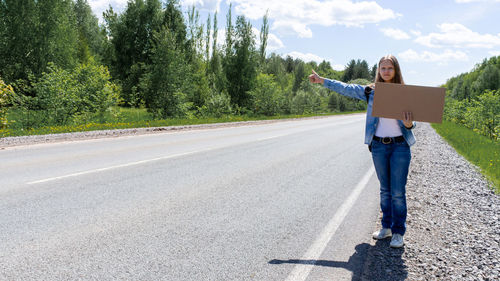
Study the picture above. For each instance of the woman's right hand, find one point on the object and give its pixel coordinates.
(315, 78)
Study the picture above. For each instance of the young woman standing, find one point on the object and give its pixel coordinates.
(389, 141)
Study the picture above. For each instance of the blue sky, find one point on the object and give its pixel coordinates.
(433, 40)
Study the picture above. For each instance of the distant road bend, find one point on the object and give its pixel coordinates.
(289, 200)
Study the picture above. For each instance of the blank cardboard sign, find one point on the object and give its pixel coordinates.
(425, 103)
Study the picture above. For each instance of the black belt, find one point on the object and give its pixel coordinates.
(388, 140)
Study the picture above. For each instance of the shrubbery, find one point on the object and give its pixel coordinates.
(267, 97)
(481, 114)
(6, 95)
(69, 97)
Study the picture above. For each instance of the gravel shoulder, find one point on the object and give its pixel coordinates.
(453, 224)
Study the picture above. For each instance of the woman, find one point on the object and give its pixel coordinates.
(389, 141)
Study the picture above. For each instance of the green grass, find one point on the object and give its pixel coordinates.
(479, 150)
(138, 118)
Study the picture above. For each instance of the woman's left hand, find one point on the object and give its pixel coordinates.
(408, 119)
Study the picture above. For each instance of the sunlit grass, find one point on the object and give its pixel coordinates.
(479, 150)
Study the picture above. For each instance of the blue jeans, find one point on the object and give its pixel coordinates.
(392, 162)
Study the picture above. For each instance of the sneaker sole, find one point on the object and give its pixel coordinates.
(381, 238)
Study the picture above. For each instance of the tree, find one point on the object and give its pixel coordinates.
(373, 73)
(264, 33)
(207, 41)
(91, 36)
(266, 95)
(488, 79)
(241, 66)
(35, 33)
(17, 53)
(58, 36)
(300, 74)
(356, 69)
(132, 36)
(216, 77)
(163, 80)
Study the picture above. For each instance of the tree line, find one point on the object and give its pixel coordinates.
(473, 98)
(59, 65)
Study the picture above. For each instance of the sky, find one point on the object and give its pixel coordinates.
(432, 40)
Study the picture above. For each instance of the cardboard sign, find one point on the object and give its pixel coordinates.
(425, 103)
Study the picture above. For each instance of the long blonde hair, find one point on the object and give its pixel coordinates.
(398, 77)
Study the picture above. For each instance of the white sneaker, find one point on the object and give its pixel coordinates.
(397, 241)
(382, 234)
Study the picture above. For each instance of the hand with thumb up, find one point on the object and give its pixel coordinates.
(315, 78)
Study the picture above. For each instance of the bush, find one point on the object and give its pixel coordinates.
(481, 114)
(217, 105)
(6, 96)
(484, 116)
(82, 95)
(305, 103)
(266, 97)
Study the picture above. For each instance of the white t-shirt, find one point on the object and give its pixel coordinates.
(388, 128)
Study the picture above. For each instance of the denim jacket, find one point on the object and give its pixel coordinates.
(358, 92)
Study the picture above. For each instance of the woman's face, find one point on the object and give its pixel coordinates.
(387, 71)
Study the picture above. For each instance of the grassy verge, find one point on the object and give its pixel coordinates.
(138, 118)
(479, 150)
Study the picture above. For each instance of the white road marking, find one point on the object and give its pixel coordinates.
(164, 157)
(134, 163)
(117, 166)
(301, 271)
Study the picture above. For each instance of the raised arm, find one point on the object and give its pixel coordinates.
(348, 90)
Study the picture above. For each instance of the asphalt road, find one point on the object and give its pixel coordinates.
(291, 200)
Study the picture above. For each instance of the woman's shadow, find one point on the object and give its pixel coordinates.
(377, 262)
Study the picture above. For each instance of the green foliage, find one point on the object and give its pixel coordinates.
(81, 95)
(300, 76)
(481, 114)
(96, 94)
(473, 99)
(485, 76)
(217, 105)
(356, 69)
(163, 81)
(240, 65)
(266, 96)
(484, 115)
(91, 37)
(35, 33)
(6, 96)
(131, 36)
(305, 102)
(264, 34)
(360, 81)
(160, 59)
(480, 150)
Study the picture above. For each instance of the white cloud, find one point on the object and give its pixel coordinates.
(100, 6)
(395, 33)
(416, 32)
(295, 16)
(312, 57)
(458, 36)
(426, 56)
(494, 53)
(273, 42)
(306, 57)
(203, 5)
